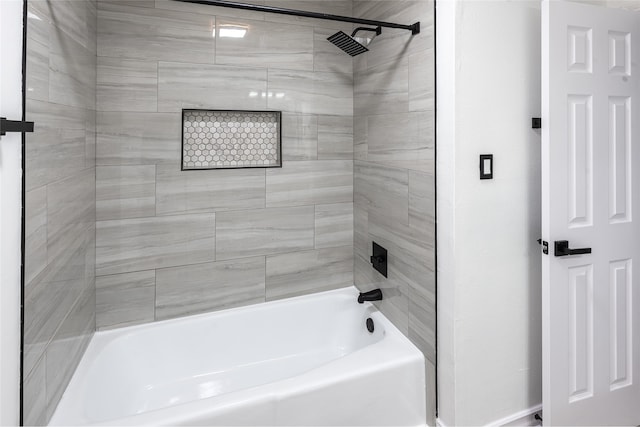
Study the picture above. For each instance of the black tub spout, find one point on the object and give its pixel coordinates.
(374, 295)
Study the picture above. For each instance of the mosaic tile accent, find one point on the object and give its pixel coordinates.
(213, 139)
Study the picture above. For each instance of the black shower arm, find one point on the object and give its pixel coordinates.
(377, 30)
(414, 28)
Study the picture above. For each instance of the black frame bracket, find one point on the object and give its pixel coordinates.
(14, 126)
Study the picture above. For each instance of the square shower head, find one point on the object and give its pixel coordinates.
(347, 43)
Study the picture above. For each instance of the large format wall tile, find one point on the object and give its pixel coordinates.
(72, 72)
(412, 249)
(182, 291)
(213, 87)
(335, 137)
(265, 44)
(67, 125)
(299, 137)
(38, 41)
(35, 232)
(397, 45)
(125, 299)
(67, 347)
(401, 137)
(382, 86)
(149, 33)
(308, 183)
(90, 140)
(127, 85)
(138, 138)
(208, 190)
(125, 191)
(146, 243)
(76, 19)
(70, 212)
(35, 409)
(422, 317)
(263, 231)
(360, 138)
(311, 92)
(46, 305)
(422, 202)
(382, 190)
(421, 96)
(334, 225)
(306, 272)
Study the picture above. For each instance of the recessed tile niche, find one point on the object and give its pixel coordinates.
(226, 139)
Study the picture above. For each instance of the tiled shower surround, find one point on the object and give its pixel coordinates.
(171, 243)
(394, 188)
(59, 292)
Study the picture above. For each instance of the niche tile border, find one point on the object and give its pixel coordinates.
(231, 139)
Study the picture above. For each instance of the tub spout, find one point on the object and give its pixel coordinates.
(374, 295)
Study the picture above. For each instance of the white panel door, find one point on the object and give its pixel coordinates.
(590, 185)
(10, 209)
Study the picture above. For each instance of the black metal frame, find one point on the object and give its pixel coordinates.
(414, 28)
(278, 115)
(23, 219)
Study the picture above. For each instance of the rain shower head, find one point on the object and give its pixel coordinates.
(354, 45)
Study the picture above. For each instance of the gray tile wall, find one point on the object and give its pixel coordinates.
(60, 208)
(173, 243)
(394, 192)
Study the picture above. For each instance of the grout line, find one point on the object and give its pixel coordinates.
(155, 190)
(157, 86)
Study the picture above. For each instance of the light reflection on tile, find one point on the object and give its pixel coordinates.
(265, 44)
(214, 87)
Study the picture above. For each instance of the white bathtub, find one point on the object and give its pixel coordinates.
(302, 361)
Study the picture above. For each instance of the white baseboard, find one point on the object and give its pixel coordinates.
(522, 418)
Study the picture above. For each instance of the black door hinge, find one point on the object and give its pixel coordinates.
(14, 126)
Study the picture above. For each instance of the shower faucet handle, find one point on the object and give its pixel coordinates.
(377, 259)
